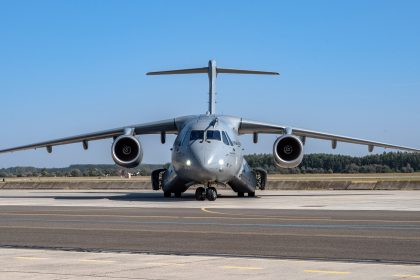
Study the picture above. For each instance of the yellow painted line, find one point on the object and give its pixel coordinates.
(408, 276)
(326, 271)
(242, 267)
(219, 232)
(96, 261)
(30, 258)
(164, 264)
(364, 182)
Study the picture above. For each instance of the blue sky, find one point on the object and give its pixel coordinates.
(69, 67)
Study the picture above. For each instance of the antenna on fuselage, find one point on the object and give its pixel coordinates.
(212, 72)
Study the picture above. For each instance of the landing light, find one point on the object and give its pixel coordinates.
(188, 163)
(221, 162)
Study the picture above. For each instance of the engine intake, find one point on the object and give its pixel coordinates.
(127, 151)
(288, 151)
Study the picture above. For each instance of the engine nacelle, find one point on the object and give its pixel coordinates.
(288, 151)
(127, 151)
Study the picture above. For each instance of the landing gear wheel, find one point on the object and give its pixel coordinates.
(200, 193)
(241, 194)
(167, 194)
(178, 194)
(251, 194)
(211, 194)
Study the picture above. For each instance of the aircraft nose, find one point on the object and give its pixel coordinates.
(206, 165)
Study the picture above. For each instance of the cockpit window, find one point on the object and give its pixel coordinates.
(225, 139)
(213, 135)
(197, 135)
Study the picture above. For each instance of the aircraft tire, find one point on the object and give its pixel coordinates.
(167, 194)
(178, 194)
(200, 193)
(251, 194)
(241, 194)
(211, 194)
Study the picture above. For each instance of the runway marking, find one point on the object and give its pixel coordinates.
(326, 271)
(30, 258)
(156, 216)
(250, 217)
(293, 218)
(165, 264)
(218, 232)
(85, 215)
(407, 276)
(217, 223)
(242, 267)
(169, 217)
(97, 261)
(204, 209)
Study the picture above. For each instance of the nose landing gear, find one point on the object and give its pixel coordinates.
(200, 193)
(210, 193)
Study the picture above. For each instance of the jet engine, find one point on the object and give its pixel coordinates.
(127, 151)
(288, 151)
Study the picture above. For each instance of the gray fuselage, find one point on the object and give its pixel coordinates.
(207, 151)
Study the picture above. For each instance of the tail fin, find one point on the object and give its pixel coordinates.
(212, 72)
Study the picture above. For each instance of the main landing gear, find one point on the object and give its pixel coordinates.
(210, 193)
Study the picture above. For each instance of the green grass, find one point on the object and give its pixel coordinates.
(347, 177)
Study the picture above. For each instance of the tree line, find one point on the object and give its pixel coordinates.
(329, 163)
(312, 163)
(80, 170)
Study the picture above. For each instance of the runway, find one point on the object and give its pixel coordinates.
(126, 234)
(374, 236)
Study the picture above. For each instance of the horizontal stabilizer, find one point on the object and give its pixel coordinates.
(239, 71)
(181, 71)
(205, 70)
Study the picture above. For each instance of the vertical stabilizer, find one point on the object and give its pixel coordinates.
(212, 87)
(212, 72)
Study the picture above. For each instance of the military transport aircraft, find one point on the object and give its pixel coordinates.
(207, 150)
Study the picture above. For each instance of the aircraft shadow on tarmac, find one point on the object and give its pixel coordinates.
(158, 196)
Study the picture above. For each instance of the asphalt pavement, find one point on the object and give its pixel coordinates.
(373, 236)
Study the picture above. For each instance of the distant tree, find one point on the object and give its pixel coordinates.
(76, 173)
(407, 169)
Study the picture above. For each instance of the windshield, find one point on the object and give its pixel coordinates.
(226, 139)
(197, 135)
(213, 135)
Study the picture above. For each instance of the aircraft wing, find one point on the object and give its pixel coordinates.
(249, 127)
(165, 126)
